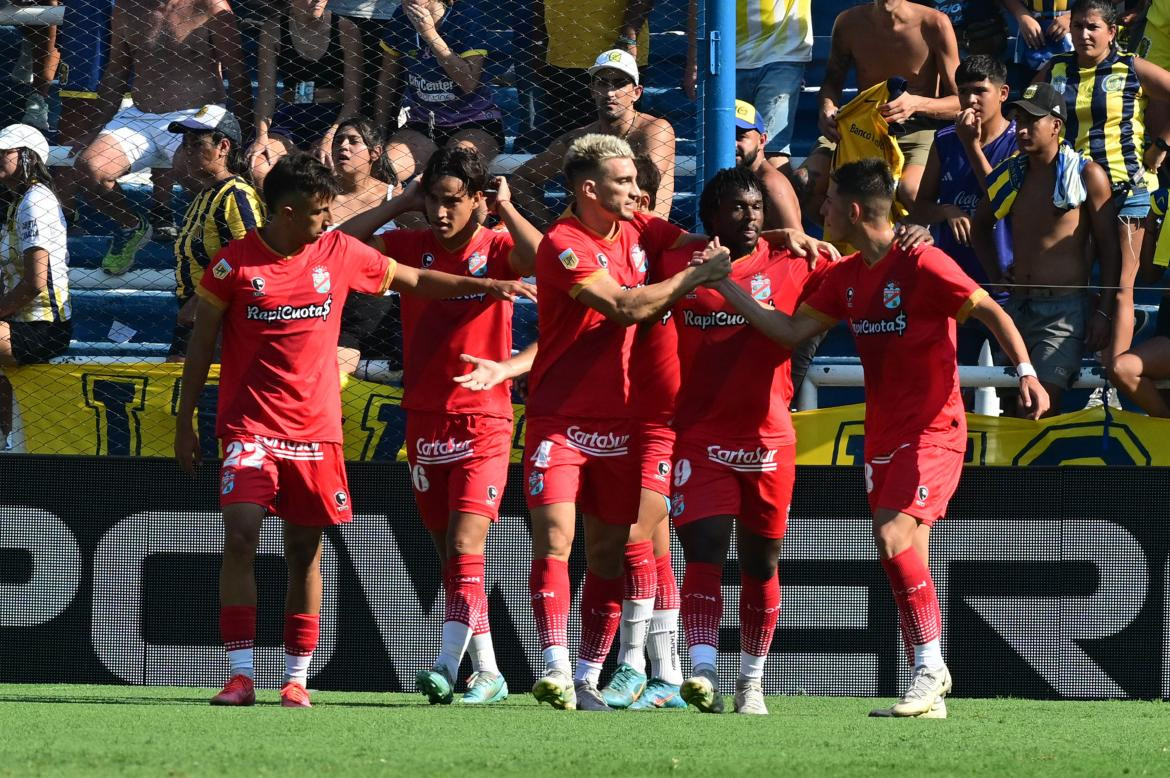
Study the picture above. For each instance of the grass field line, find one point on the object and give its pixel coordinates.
(132, 730)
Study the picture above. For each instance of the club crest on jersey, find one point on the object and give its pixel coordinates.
(1113, 83)
(257, 287)
(568, 259)
(761, 287)
(639, 258)
(221, 269)
(892, 296)
(477, 264)
(602, 259)
(428, 259)
(849, 297)
(321, 280)
(663, 470)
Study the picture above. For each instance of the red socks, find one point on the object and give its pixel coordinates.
(666, 587)
(702, 603)
(759, 610)
(237, 626)
(466, 595)
(300, 633)
(548, 584)
(601, 612)
(914, 594)
(641, 573)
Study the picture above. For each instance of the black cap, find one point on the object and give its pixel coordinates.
(211, 118)
(1041, 100)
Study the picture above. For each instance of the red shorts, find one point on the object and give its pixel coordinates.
(458, 464)
(915, 480)
(752, 482)
(590, 462)
(655, 448)
(302, 483)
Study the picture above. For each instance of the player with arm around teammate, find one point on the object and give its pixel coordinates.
(901, 306)
(278, 294)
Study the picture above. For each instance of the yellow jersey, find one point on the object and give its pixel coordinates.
(772, 31)
(578, 32)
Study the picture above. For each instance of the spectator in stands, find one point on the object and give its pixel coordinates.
(781, 208)
(211, 156)
(1155, 47)
(954, 181)
(365, 181)
(317, 55)
(34, 262)
(262, 156)
(576, 32)
(616, 89)
(1062, 207)
(1043, 32)
(773, 43)
(1107, 124)
(434, 56)
(880, 41)
(176, 55)
(24, 93)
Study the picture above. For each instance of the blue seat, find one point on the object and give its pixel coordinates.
(150, 314)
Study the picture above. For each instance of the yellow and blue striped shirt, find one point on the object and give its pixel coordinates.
(1106, 114)
(1047, 8)
(219, 214)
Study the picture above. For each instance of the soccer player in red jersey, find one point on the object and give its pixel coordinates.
(734, 459)
(901, 306)
(458, 443)
(590, 276)
(278, 293)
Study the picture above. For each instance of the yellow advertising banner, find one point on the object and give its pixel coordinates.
(129, 410)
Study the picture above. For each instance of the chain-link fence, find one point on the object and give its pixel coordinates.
(162, 119)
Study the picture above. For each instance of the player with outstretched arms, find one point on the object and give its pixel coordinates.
(278, 294)
(901, 306)
(458, 443)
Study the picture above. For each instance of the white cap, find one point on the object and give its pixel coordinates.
(616, 59)
(22, 136)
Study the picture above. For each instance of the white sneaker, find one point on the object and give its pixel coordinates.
(925, 686)
(749, 697)
(938, 710)
(556, 688)
(702, 690)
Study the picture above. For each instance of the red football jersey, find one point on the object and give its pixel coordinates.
(736, 382)
(581, 367)
(282, 317)
(902, 311)
(436, 332)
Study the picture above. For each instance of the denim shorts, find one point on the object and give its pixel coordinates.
(774, 90)
(1132, 203)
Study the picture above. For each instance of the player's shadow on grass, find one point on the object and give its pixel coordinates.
(100, 700)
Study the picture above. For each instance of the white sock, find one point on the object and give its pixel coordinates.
(751, 666)
(556, 658)
(296, 668)
(456, 635)
(662, 646)
(703, 655)
(929, 655)
(636, 615)
(483, 654)
(240, 661)
(589, 672)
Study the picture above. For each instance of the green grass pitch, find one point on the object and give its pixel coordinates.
(130, 730)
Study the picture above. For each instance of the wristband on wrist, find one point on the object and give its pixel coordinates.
(625, 41)
(1025, 369)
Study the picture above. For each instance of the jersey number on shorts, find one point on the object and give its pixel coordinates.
(241, 454)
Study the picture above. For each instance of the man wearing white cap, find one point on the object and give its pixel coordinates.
(34, 299)
(615, 84)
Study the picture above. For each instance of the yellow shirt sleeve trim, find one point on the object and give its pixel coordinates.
(596, 274)
(808, 310)
(77, 94)
(211, 297)
(389, 50)
(391, 268)
(969, 305)
(474, 53)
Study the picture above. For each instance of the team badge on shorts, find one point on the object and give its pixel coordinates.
(493, 494)
(677, 506)
(892, 296)
(321, 280)
(428, 259)
(761, 288)
(535, 483)
(923, 495)
(663, 471)
(477, 264)
(341, 500)
(568, 259)
(602, 259)
(228, 483)
(221, 269)
(682, 472)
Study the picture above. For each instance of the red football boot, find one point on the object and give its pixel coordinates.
(293, 695)
(239, 690)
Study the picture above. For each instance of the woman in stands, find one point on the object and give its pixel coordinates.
(34, 262)
(263, 155)
(226, 207)
(366, 180)
(434, 53)
(318, 57)
(1105, 93)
